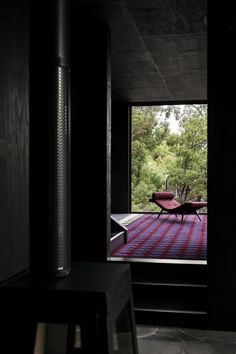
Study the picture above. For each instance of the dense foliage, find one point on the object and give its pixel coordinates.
(165, 160)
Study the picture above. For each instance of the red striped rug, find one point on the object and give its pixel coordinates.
(166, 238)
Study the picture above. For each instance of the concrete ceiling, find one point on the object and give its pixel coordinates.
(159, 48)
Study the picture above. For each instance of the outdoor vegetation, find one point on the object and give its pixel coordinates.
(164, 159)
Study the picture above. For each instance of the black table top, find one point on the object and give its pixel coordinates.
(84, 276)
(89, 284)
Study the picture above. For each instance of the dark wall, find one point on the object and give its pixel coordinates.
(222, 162)
(14, 137)
(90, 138)
(120, 164)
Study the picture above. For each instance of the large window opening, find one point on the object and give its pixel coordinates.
(169, 153)
(168, 157)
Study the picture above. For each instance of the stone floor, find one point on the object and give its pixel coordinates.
(172, 340)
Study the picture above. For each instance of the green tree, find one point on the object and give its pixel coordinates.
(147, 128)
(190, 171)
(147, 133)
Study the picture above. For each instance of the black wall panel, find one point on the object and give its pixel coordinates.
(221, 169)
(120, 158)
(14, 137)
(90, 138)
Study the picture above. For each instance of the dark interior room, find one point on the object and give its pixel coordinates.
(70, 73)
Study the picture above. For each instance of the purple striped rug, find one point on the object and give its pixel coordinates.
(166, 238)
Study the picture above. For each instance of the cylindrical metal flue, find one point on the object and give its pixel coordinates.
(49, 139)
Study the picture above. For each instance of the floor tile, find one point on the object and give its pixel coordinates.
(173, 340)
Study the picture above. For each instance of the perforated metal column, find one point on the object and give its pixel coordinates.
(58, 175)
(50, 139)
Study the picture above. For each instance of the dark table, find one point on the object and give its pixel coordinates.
(92, 307)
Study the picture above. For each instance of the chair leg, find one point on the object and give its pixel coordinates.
(159, 213)
(198, 216)
(182, 217)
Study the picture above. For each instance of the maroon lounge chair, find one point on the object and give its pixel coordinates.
(166, 201)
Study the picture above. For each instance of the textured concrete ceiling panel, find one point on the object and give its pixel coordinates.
(148, 80)
(136, 95)
(159, 48)
(169, 17)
